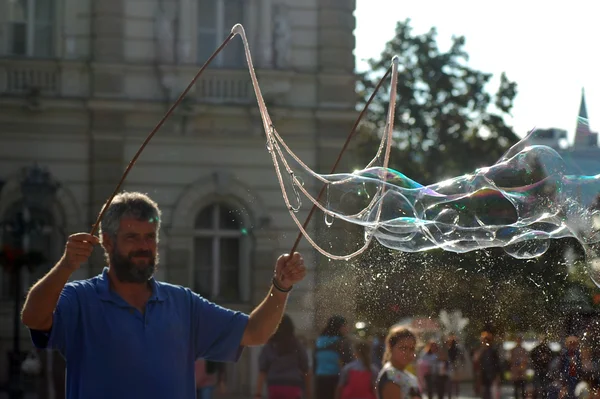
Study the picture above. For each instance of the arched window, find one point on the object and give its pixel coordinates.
(30, 27)
(221, 254)
(28, 230)
(215, 20)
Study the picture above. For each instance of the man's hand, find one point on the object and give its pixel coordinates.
(78, 249)
(289, 270)
(42, 298)
(265, 318)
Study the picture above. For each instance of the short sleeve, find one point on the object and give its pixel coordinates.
(218, 331)
(64, 321)
(382, 379)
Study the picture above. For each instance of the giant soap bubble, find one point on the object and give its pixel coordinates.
(519, 204)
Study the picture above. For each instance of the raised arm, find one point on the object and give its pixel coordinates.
(265, 318)
(43, 297)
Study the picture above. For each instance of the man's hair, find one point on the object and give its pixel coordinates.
(129, 205)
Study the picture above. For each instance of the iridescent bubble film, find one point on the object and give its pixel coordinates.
(518, 204)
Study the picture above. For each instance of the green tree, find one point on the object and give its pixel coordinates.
(447, 124)
(488, 286)
(444, 125)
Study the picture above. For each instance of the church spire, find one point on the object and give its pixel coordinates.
(582, 107)
(583, 134)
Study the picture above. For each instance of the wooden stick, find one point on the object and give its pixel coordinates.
(158, 126)
(337, 161)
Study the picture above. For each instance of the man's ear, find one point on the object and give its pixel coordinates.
(107, 242)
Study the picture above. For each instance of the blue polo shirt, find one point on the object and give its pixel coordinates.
(114, 351)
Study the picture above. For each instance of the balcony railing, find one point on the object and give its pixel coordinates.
(23, 77)
(62, 78)
(225, 86)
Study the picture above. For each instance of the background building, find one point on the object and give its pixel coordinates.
(83, 82)
(583, 156)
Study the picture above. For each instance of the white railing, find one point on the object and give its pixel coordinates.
(225, 86)
(24, 77)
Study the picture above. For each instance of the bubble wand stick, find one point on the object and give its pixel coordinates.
(180, 99)
(339, 157)
(158, 126)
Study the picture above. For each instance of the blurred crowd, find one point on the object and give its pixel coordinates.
(398, 363)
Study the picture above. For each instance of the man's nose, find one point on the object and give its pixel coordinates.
(146, 244)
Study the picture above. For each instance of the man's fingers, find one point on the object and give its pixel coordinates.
(281, 260)
(80, 245)
(84, 237)
(291, 260)
(295, 277)
(80, 252)
(293, 265)
(286, 258)
(79, 248)
(296, 257)
(294, 268)
(297, 272)
(80, 258)
(290, 266)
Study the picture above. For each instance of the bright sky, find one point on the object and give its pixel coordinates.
(549, 50)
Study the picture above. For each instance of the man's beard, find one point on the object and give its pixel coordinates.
(128, 271)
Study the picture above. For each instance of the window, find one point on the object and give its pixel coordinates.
(215, 20)
(31, 28)
(32, 231)
(221, 249)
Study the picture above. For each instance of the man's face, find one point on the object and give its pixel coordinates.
(133, 254)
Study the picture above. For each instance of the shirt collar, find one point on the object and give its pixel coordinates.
(158, 293)
(105, 293)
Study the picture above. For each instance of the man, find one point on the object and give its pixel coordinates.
(487, 363)
(541, 357)
(456, 357)
(126, 335)
(570, 367)
(519, 363)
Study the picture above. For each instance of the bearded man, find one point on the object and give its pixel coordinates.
(126, 335)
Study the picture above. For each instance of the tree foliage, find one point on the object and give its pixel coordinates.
(488, 286)
(443, 124)
(447, 124)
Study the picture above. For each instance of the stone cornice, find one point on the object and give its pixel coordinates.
(332, 112)
(191, 69)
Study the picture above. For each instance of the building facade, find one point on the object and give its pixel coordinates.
(582, 156)
(83, 82)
